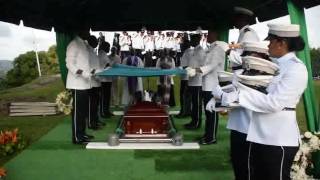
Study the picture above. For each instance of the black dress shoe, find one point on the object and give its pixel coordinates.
(207, 142)
(81, 141)
(87, 136)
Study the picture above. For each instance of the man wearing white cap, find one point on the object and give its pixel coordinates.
(273, 131)
(239, 118)
(242, 19)
(214, 62)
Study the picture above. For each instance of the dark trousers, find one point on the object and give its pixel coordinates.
(105, 98)
(79, 113)
(270, 162)
(93, 107)
(124, 54)
(172, 101)
(239, 154)
(196, 108)
(185, 98)
(212, 119)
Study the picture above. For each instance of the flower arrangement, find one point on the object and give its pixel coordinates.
(302, 161)
(3, 173)
(11, 141)
(64, 102)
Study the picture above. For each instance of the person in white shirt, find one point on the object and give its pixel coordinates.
(185, 96)
(132, 86)
(149, 42)
(138, 43)
(214, 62)
(273, 132)
(125, 43)
(93, 118)
(106, 82)
(79, 81)
(195, 82)
(116, 96)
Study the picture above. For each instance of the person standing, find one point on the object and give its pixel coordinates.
(125, 43)
(195, 82)
(185, 96)
(93, 118)
(115, 59)
(79, 81)
(273, 132)
(132, 85)
(106, 82)
(214, 62)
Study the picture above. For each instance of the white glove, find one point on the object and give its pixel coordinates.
(235, 58)
(217, 92)
(211, 105)
(190, 71)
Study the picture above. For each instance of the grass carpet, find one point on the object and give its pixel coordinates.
(54, 157)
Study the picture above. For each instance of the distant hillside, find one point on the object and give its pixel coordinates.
(5, 66)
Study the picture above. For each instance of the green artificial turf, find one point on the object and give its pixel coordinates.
(54, 157)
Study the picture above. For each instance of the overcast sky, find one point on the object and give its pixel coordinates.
(15, 40)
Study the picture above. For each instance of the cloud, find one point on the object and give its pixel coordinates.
(5, 30)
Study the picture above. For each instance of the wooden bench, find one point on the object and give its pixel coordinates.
(32, 109)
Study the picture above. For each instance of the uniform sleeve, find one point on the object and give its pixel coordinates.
(215, 58)
(184, 59)
(287, 92)
(71, 58)
(158, 63)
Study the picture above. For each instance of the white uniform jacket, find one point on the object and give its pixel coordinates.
(124, 43)
(214, 62)
(271, 124)
(77, 57)
(187, 55)
(246, 34)
(137, 42)
(94, 64)
(239, 118)
(197, 60)
(104, 60)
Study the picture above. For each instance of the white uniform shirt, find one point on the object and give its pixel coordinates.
(77, 57)
(187, 55)
(149, 43)
(124, 43)
(196, 61)
(270, 124)
(137, 42)
(239, 118)
(246, 34)
(94, 65)
(214, 62)
(104, 60)
(159, 43)
(172, 67)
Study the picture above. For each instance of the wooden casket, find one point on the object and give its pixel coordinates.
(146, 122)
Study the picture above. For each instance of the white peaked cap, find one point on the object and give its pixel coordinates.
(225, 76)
(260, 80)
(260, 47)
(242, 10)
(251, 62)
(284, 30)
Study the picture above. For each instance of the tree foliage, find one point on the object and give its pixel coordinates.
(315, 61)
(25, 66)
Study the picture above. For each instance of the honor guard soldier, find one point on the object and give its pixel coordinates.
(78, 80)
(214, 62)
(195, 82)
(125, 43)
(273, 132)
(93, 118)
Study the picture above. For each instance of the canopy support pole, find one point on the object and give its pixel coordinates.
(297, 16)
(63, 40)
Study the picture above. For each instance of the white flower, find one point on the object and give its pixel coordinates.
(64, 102)
(308, 135)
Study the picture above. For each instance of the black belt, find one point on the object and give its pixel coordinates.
(236, 68)
(288, 109)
